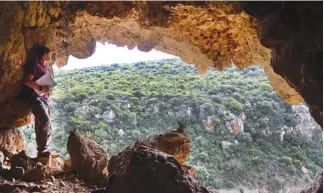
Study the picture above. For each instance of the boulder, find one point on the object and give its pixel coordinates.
(317, 185)
(88, 159)
(12, 141)
(147, 170)
(175, 143)
(29, 169)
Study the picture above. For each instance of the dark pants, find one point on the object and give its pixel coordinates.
(43, 128)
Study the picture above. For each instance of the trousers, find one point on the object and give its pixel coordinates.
(43, 127)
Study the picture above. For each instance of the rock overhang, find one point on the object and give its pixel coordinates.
(206, 34)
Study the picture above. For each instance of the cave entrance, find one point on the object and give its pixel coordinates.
(240, 130)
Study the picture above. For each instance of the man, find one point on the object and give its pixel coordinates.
(38, 104)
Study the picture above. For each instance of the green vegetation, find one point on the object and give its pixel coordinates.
(145, 99)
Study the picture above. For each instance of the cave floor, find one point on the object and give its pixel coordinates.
(66, 183)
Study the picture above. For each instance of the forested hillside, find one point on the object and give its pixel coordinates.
(241, 133)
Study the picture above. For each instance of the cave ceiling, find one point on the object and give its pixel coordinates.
(284, 38)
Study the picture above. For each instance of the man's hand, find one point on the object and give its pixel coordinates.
(46, 89)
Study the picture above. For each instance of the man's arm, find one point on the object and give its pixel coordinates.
(28, 81)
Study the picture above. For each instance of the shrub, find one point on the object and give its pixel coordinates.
(286, 160)
(110, 96)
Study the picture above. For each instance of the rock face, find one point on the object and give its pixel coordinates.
(294, 33)
(205, 34)
(148, 170)
(175, 143)
(305, 122)
(235, 124)
(12, 141)
(317, 185)
(88, 159)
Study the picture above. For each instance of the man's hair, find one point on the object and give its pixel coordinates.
(41, 51)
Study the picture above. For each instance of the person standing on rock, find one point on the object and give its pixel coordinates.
(38, 104)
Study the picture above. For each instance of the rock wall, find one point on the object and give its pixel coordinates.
(205, 34)
(294, 32)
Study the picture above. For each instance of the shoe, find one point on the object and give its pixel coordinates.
(55, 155)
(47, 154)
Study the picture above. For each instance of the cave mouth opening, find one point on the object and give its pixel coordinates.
(236, 122)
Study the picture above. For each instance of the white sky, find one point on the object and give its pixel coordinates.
(109, 54)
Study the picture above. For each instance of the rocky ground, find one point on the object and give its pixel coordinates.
(61, 184)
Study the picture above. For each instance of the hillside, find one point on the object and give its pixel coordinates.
(241, 133)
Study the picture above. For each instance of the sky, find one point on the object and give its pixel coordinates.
(109, 54)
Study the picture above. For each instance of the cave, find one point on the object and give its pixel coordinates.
(285, 38)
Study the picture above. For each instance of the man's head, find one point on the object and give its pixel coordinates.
(43, 54)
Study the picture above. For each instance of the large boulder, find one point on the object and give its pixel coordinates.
(317, 185)
(147, 170)
(175, 143)
(88, 159)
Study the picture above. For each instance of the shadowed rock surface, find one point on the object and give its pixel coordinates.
(149, 170)
(88, 159)
(175, 143)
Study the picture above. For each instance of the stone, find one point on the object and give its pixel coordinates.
(88, 159)
(226, 145)
(67, 164)
(121, 132)
(28, 169)
(109, 116)
(12, 141)
(38, 173)
(17, 172)
(175, 143)
(56, 166)
(22, 160)
(317, 185)
(147, 170)
(62, 183)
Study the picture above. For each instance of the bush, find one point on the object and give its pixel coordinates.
(286, 160)
(110, 96)
(233, 105)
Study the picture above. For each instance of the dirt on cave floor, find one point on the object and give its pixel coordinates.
(64, 183)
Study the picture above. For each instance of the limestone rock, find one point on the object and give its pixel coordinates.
(88, 159)
(109, 116)
(12, 141)
(175, 143)
(148, 170)
(235, 124)
(226, 145)
(306, 123)
(121, 132)
(317, 185)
